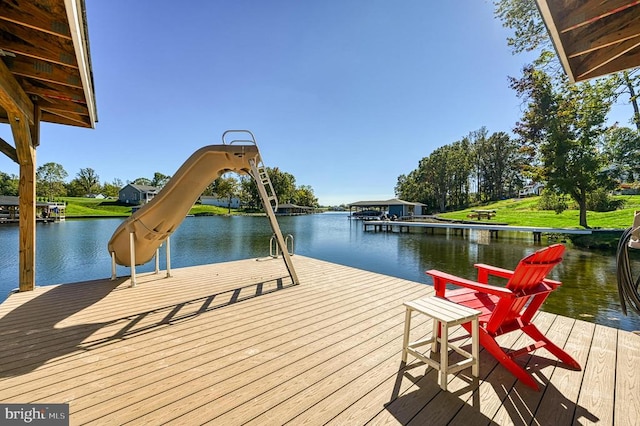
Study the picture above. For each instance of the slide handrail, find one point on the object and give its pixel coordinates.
(231, 142)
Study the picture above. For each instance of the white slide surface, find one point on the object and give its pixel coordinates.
(156, 220)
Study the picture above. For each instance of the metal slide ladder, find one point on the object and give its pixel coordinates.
(269, 200)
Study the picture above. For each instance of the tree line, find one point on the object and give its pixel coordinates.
(476, 169)
(562, 138)
(51, 184)
(244, 188)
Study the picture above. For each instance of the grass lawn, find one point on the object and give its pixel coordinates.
(111, 207)
(524, 212)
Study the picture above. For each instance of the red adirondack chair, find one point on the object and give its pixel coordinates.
(509, 308)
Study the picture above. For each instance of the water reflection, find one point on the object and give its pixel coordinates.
(75, 250)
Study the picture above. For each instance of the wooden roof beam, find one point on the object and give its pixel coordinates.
(12, 97)
(604, 43)
(53, 91)
(630, 60)
(590, 12)
(38, 45)
(65, 117)
(602, 57)
(589, 39)
(47, 18)
(45, 71)
(8, 150)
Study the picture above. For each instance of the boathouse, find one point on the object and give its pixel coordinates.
(288, 209)
(45, 211)
(391, 207)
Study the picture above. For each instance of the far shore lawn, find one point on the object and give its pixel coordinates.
(516, 212)
(110, 207)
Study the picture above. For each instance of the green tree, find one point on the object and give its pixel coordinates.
(112, 189)
(622, 148)
(304, 196)
(159, 180)
(436, 172)
(226, 188)
(50, 181)
(498, 166)
(142, 181)
(628, 83)
(409, 188)
(565, 126)
(523, 18)
(74, 189)
(88, 181)
(284, 184)
(459, 168)
(8, 184)
(248, 192)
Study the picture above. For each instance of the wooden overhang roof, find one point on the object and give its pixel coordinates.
(593, 37)
(44, 45)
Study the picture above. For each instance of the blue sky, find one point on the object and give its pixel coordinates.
(346, 95)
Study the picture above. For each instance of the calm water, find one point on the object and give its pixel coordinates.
(76, 250)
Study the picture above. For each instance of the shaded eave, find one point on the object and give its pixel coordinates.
(45, 48)
(592, 37)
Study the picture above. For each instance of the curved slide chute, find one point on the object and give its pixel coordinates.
(150, 226)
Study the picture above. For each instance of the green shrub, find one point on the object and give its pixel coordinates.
(601, 201)
(550, 200)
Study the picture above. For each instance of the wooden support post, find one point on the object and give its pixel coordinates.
(27, 205)
(20, 113)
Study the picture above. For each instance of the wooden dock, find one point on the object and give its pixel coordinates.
(461, 227)
(235, 343)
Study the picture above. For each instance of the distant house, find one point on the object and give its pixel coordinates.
(531, 189)
(137, 194)
(627, 189)
(209, 200)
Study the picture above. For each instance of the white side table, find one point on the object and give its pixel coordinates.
(445, 314)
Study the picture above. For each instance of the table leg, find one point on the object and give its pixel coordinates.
(436, 334)
(444, 355)
(407, 328)
(475, 343)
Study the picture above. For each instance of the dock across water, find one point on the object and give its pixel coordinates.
(493, 230)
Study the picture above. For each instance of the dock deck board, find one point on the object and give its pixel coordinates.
(237, 343)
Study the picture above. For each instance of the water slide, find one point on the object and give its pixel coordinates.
(149, 227)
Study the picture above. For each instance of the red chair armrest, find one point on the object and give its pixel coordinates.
(485, 270)
(440, 280)
(552, 283)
